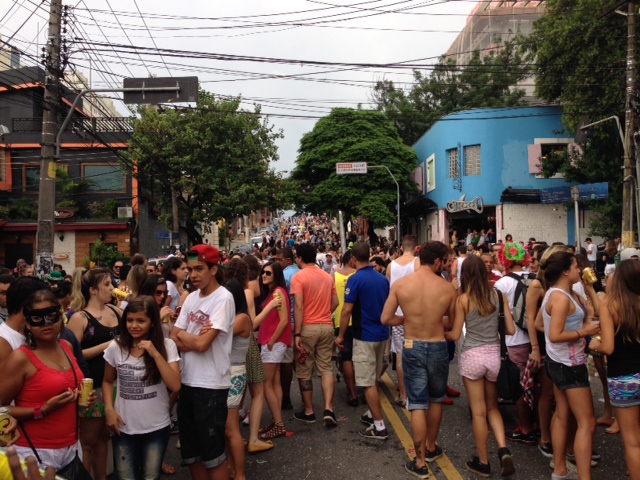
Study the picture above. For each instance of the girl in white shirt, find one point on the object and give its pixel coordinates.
(145, 364)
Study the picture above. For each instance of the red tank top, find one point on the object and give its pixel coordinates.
(57, 429)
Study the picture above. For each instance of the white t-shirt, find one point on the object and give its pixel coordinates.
(172, 291)
(508, 285)
(144, 408)
(208, 369)
(15, 339)
(592, 252)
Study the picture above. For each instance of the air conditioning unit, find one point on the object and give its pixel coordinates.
(125, 212)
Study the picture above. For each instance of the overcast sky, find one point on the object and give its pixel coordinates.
(341, 35)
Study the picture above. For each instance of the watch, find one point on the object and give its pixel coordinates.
(37, 413)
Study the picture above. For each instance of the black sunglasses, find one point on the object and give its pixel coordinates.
(267, 273)
(161, 293)
(43, 316)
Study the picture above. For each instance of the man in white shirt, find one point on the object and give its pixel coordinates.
(206, 380)
(592, 252)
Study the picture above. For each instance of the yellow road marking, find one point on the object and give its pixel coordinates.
(449, 470)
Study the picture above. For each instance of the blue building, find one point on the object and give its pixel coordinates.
(480, 170)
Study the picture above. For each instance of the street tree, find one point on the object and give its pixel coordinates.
(348, 135)
(578, 57)
(489, 80)
(205, 163)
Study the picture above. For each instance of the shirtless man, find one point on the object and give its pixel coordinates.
(425, 298)
(397, 269)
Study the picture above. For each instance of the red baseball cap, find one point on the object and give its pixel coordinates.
(206, 253)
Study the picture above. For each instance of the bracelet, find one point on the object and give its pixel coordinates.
(579, 334)
(297, 335)
(534, 345)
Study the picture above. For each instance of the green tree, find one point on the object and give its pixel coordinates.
(578, 58)
(488, 81)
(348, 135)
(205, 163)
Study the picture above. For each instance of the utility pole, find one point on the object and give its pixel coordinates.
(630, 127)
(47, 189)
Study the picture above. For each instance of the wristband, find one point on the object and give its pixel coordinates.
(297, 335)
(37, 413)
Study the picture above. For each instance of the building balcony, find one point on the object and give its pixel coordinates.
(78, 125)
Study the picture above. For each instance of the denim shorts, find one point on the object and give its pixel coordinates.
(140, 455)
(346, 355)
(426, 371)
(565, 377)
(203, 419)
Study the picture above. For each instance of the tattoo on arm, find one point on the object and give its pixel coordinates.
(306, 385)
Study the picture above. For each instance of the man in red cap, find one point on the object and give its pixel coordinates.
(202, 407)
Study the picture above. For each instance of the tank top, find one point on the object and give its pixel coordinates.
(95, 334)
(341, 285)
(481, 329)
(239, 348)
(625, 359)
(399, 271)
(571, 354)
(270, 324)
(57, 429)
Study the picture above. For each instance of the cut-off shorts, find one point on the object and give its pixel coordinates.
(275, 355)
(624, 391)
(481, 362)
(426, 371)
(565, 377)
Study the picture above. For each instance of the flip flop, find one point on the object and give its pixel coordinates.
(612, 431)
(605, 423)
(168, 469)
(260, 448)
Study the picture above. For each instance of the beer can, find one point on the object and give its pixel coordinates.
(4, 423)
(589, 276)
(87, 387)
(119, 294)
(276, 295)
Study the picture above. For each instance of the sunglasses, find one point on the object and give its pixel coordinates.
(267, 273)
(160, 293)
(117, 266)
(43, 316)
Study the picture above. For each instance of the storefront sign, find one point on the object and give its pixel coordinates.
(461, 205)
(348, 168)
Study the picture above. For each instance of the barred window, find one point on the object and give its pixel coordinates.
(472, 164)
(454, 171)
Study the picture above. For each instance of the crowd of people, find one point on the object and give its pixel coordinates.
(174, 348)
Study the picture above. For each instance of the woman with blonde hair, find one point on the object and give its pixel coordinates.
(620, 340)
(478, 308)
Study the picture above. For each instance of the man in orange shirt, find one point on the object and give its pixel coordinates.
(315, 299)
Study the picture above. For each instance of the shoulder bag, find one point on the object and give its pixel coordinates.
(509, 389)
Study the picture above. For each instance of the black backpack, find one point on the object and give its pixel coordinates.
(520, 299)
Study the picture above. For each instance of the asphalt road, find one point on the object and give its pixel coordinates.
(316, 453)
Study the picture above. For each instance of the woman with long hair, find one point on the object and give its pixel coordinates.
(43, 379)
(175, 271)
(608, 257)
(145, 364)
(620, 340)
(95, 324)
(477, 308)
(274, 337)
(135, 279)
(563, 314)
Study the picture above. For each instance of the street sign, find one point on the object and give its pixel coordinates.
(555, 195)
(188, 90)
(348, 168)
(593, 191)
(589, 191)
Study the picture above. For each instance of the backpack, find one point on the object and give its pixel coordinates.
(520, 299)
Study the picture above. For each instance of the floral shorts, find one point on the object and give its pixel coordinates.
(95, 411)
(238, 386)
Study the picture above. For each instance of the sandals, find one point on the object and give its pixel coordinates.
(278, 430)
(267, 428)
(168, 469)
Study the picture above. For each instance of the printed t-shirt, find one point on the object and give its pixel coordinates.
(367, 290)
(341, 286)
(143, 407)
(317, 289)
(208, 369)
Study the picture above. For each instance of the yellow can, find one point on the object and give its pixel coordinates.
(5, 420)
(276, 295)
(589, 276)
(87, 388)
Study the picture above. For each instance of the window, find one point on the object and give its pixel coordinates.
(431, 173)
(472, 165)
(454, 165)
(31, 178)
(541, 148)
(103, 178)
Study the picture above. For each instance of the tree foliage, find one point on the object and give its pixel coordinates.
(348, 135)
(488, 81)
(578, 58)
(214, 158)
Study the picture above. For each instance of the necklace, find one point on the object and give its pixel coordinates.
(62, 367)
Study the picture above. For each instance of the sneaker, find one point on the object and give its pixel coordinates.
(329, 419)
(286, 404)
(434, 455)
(352, 402)
(570, 466)
(519, 436)
(306, 418)
(595, 456)
(506, 462)
(571, 458)
(546, 449)
(452, 392)
(372, 432)
(482, 469)
(246, 420)
(571, 475)
(366, 419)
(413, 469)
